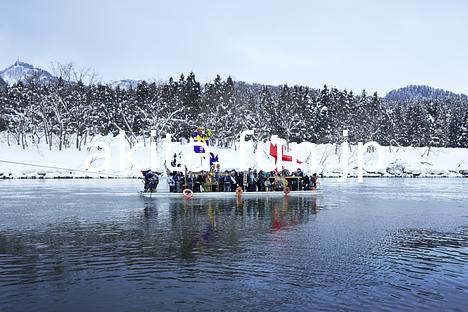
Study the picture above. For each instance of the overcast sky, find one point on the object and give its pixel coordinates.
(376, 45)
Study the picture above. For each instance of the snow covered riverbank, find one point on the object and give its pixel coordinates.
(37, 161)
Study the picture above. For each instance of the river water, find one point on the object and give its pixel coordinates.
(95, 245)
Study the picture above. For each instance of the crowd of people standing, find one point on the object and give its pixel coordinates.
(248, 181)
(230, 180)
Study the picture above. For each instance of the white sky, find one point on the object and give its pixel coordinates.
(376, 45)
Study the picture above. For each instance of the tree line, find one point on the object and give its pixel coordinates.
(67, 114)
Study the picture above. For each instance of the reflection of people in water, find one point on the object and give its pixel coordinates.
(285, 216)
(276, 224)
(239, 202)
(200, 226)
(314, 207)
(280, 215)
(199, 242)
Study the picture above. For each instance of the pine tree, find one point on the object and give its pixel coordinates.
(264, 121)
(417, 132)
(398, 128)
(31, 112)
(436, 121)
(322, 125)
(463, 141)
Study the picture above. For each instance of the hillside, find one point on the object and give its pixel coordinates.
(417, 92)
(24, 72)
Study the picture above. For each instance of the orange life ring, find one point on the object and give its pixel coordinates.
(239, 190)
(287, 190)
(188, 193)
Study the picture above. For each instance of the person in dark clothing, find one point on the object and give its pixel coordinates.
(145, 180)
(190, 181)
(261, 181)
(179, 181)
(299, 173)
(171, 182)
(151, 181)
(220, 179)
(293, 184)
(197, 184)
(306, 182)
(227, 182)
(201, 182)
(252, 181)
(234, 179)
(239, 177)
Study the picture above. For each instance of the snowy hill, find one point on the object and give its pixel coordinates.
(397, 161)
(125, 84)
(3, 84)
(24, 72)
(414, 93)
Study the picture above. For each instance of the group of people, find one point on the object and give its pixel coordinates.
(229, 181)
(249, 181)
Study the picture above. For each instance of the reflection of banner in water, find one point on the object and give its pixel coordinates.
(280, 215)
(276, 224)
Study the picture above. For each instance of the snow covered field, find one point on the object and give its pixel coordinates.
(39, 161)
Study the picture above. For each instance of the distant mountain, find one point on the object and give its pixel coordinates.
(25, 72)
(3, 84)
(125, 84)
(21, 71)
(412, 93)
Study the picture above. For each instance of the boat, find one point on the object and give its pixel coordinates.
(229, 194)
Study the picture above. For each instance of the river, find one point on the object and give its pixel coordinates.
(94, 245)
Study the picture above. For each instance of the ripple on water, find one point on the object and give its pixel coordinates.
(348, 249)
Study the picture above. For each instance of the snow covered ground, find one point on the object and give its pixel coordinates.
(39, 161)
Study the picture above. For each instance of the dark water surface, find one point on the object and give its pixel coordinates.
(386, 244)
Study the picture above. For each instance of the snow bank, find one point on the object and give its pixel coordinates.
(37, 161)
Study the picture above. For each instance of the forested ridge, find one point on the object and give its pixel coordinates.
(67, 114)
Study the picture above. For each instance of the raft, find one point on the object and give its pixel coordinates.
(231, 194)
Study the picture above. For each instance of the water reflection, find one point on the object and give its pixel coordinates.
(344, 250)
(155, 238)
(203, 225)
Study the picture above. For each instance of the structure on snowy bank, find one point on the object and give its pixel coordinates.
(37, 161)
